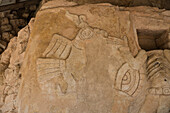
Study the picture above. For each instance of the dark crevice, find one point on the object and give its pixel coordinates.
(153, 40)
(163, 4)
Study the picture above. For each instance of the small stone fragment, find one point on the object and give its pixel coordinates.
(6, 28)
(4, 21)
(6, 36)
(33, 7)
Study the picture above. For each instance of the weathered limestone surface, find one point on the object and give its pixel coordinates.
(92, 59)
(10, 65)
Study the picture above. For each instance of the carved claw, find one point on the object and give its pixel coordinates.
(135, 63)
(63, 84)
(140, 59)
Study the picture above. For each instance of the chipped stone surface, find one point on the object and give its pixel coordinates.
(10, 65)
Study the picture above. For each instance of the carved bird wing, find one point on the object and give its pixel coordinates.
(59, 47)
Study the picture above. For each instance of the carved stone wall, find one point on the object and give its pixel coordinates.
(95, 58)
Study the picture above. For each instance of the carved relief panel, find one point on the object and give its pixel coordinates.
(89, 68)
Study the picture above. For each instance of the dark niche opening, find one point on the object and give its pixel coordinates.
(153, 40)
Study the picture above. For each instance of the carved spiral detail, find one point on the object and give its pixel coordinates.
(126, 79)
(166, 91)
(86, 33)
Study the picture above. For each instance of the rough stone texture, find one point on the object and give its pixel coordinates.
(12, 21)
(10, 65)
(93, 58)
(89, 59)
(165, 4)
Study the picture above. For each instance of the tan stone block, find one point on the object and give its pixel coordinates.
(14, 22)
(6, 28)
(6, 36)
(2, 14)
(4, 21)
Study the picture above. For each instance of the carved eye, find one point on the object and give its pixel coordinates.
(127, 80)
